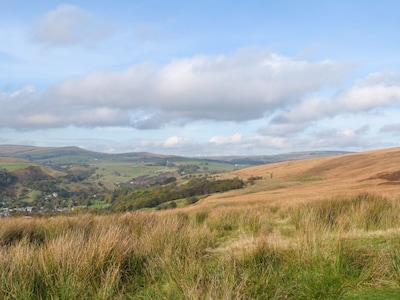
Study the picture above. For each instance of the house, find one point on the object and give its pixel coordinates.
(29, 209)
(5, 213)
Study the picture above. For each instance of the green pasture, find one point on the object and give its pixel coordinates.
(122, 172)
(12, 166)
(210, 166)
(98, 204)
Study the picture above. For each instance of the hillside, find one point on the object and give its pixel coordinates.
(317, 178)
(71, 155)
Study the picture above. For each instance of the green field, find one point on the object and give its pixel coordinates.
(118, 172)
(123, 172)
(12, 166)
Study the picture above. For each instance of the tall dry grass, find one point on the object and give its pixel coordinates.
(325, 250)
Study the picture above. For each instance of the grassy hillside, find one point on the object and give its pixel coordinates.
(340, 248)
(313, 179)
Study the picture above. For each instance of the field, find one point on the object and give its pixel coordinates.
(11, 164)
(325, 228)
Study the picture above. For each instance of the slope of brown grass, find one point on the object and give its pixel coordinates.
(301, 181)
(12, 160)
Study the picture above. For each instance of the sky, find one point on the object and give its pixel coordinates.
(201, 78)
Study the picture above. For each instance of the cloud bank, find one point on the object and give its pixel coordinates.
(248, 85)
(378, 90)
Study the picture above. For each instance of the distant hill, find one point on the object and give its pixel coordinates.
(274, 158)
(75, 156)
(71, 155)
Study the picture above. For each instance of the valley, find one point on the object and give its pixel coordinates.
(48, 180)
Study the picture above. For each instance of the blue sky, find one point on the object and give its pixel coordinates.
(200, 78)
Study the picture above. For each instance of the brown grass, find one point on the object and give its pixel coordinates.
(318, 250)
(318, 178)
(12, 160)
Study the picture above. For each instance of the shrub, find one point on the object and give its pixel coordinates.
(191, 200)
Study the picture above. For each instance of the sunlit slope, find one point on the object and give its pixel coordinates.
(304, 180)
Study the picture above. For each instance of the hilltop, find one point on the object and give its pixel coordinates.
(71, 155)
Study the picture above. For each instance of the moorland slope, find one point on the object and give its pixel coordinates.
(299, 181)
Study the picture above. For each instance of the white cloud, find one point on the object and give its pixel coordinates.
(28, 109)
(177, 141)
(341, 138)
(260, 142)
(223, 140)
(70, 24)
(376, 91)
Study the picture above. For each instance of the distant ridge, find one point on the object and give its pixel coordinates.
(70, 153)
(20, 150)
(274, 158)
(79, 155)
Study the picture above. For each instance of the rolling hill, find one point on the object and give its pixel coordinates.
(74, 155)
(317, 178)
(71, 155)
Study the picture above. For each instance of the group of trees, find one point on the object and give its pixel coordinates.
(6, 179)
(132, 199)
